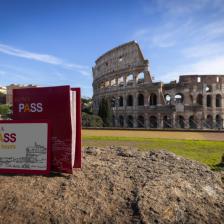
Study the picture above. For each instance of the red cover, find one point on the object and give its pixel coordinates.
(78, 146)
(51, 103)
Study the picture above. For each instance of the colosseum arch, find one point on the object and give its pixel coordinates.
(130, 121)
(218, 121)
(141, 121)
(192, 122)
(218, 99)
(102, 85)
(153, 99)
(167, 98)
(153, 123)
(140, 78)
(107, 84)
(191, 99)
(208, 89)
(140, 99)
(209, 100)
(209, 122)
(180, 121)
(179, 98)
(120, 101)
(167, 122)
(113, 102)
(129, 100)
(127, 59)
(120, 81)
(121, 121)
(199, 99)
(130, 79)
(113, 120)
(113, 83)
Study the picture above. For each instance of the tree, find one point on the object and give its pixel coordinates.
(105, 112)
(2, 98)
(5, 111)
(87, 105)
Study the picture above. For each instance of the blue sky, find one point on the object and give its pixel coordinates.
(56, 42)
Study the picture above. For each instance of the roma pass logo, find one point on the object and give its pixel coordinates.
(31, 107)
(7, 140)
(7, 137)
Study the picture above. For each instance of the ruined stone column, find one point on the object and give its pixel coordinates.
(125, 121)
(125, 80)
(160, 121)
(173, 120)
(214, 121)
(124, 101)
(134, 80)
(135, 123)
(159, 98)
(222, 101)
(204, 100)
(194, 95)
(204, 117)
(146, 99)
(186, 122)
(135, 100)
(222, 117)
(213, 101)
(116, 81)
(146, 120)
(116, 120)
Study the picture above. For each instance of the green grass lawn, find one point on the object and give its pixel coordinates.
(207, 152)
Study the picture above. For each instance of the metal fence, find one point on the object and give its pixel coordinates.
(173, 123)
(197, 124)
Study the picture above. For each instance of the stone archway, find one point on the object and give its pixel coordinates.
(153, 123)
(140, 121)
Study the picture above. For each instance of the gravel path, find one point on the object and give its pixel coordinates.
(117, 186)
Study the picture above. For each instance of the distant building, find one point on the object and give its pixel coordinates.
(2, 94)
(9, 90)
(3, 89)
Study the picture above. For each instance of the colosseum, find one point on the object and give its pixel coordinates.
(122, 76)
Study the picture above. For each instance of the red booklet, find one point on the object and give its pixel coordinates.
(55, 104)
(78, 125)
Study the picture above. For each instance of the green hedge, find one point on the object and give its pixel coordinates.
(89, 120)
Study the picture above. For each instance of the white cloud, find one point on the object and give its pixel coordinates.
(45, 58)
(163, 41)
(30, 55)
(76, 66)
(211, 30)
(211, 66)
(166, 35)
(85, 73)
(204, 50)
(178, 7)
(188, 33)
(180, 22)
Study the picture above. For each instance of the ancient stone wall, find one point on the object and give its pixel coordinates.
(121, 75)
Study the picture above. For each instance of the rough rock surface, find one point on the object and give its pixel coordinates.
(117, 186)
